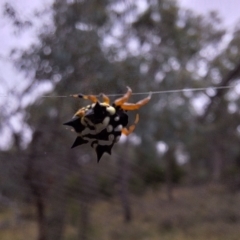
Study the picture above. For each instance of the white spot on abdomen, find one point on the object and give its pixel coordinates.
(116, 118)
(88, 131)
(100, 126)
(109, 128)
(104, 142)
(111, 110)
(111, 137)
(118, 128)
(117, 139)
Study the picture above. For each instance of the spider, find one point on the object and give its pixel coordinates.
(101, 124)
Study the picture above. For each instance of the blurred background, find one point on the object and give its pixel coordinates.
(177, 176)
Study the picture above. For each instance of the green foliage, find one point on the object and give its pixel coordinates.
(106, 187)
(137, 185)
(153, 175)
(178, 173)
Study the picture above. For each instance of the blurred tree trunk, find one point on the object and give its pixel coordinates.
(38, 190)
(170, 159)
(57, 207)
(220, 92)
(87, 193)
(41, 218)
(40, 206)
(217, 164)
(84, 220)
(124, 174)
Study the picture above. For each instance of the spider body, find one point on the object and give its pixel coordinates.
(102, 124)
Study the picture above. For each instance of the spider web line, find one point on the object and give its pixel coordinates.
(157, 92)
(149, 92)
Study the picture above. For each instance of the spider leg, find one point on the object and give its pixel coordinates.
(122, 100)
(105, 98)
(127, 131)
(135, 106)
(86, 97)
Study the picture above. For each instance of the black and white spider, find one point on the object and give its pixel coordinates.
(101, 124)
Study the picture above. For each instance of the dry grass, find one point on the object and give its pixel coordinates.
(22, 231)
(198, 213)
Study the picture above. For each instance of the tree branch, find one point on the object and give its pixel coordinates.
(225, 82)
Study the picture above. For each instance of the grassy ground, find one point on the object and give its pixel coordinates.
(196, 213)
(199, 213)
